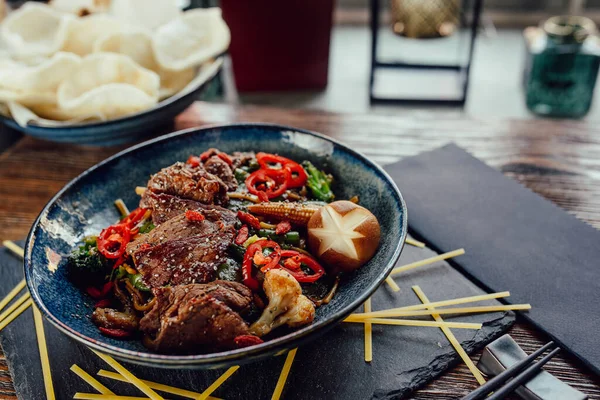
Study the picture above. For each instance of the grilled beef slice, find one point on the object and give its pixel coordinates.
(193, 183)
(177, 262)
(179, 227)
(180, 251)
(165, 206)
(216, 166)
(196, 318)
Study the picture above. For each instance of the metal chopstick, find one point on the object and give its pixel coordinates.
(529, 373)
(494, 383)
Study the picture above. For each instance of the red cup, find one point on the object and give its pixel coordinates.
(279, 45)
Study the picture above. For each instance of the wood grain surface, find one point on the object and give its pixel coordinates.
(558, 159)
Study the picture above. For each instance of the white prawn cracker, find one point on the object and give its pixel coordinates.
(110, 84)
(146, 14)
(138, 46)
(35, 85)
(191, 39)
(84, 32)
(43, 77)
(35, 30)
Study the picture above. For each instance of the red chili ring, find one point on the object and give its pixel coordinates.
(273, 182)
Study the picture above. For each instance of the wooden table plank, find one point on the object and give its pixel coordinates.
(560, 160)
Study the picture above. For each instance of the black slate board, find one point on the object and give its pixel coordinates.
(519, 241)
(332, 367)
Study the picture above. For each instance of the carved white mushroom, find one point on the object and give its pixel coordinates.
(343, 235)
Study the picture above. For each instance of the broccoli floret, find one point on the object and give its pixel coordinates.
(86, 266)
(318, 182)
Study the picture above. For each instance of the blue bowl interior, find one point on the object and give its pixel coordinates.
(85, 206)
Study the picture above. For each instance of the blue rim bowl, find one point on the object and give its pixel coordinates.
(85, 205)
(129, 128)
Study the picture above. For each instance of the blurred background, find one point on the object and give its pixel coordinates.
(473, 56)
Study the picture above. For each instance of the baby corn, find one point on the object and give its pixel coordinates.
(296, 213)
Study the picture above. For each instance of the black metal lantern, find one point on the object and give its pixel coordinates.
(427, 20)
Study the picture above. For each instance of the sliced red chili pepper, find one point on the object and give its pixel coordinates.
(297, 174)
(255, 247)
(247, 340)
(120, 261)
(193, 161)
(283, 227)
(112, 240)
(262, 196)
(106, 288)
(194, 216)
(248, 279)
(226, 158)
(300, 275)
(273, 182)
(115, 333)
(268, 160)
(242, 235)
(103, 303)
(99, 293)
(249, 219)
(134, 217)
(92, 291)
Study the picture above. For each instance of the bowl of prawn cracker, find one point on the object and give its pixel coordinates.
(103, 75)
(215, 246)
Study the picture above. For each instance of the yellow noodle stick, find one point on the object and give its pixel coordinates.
(416, 322)
(415, 313)
(156, 386)
(15, 313)
(452, 339)
(392, 284)
(90, 380)
(453, 302)
(368, 334)
(427, 261)
(11, 295)
(285, 371)
(128, 375)
(218, 382)
(414, 242)
(41, 339)
(14, 306)
(15, 248)
(93, 396)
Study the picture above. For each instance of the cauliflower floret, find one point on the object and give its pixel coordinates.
(287, 304)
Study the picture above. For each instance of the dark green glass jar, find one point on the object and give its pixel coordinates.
(562, 65)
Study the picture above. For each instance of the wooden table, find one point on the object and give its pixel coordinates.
(558, 159)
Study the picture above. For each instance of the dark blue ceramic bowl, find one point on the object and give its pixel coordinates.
(130, 128)
(85, 206)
